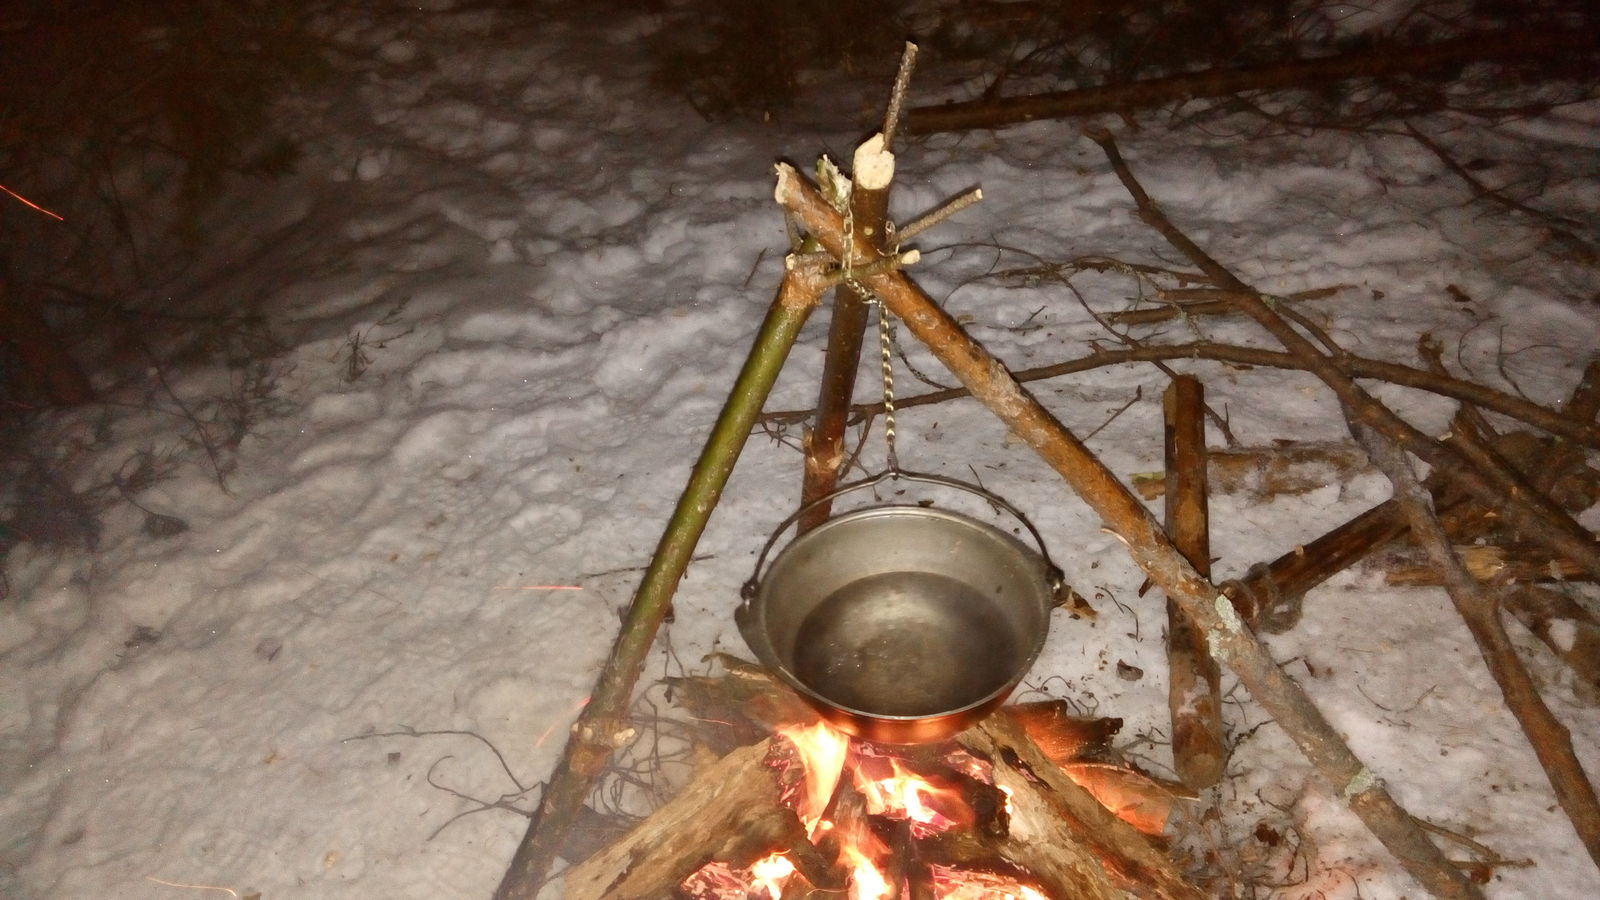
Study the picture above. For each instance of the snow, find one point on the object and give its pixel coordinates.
(516, 285)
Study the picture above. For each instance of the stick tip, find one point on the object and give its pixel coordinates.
(874, 164)
(786, 175)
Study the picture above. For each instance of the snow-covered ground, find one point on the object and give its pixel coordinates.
(516, 283)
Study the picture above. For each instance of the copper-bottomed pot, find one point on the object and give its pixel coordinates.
(901, 624)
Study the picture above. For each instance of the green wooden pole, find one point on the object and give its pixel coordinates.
(602, 727)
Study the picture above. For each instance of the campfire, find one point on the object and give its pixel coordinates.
(1028, 804)
(882, 813)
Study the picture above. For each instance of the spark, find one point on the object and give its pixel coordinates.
(198, 887)
(28, 202)
(540, 742)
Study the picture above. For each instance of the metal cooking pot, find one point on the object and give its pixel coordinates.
(901, 624)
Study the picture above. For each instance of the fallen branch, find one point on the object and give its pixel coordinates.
(1189, 302)
(1492, 563)
(1559, 226)
(1377, 62)
(1577, 431)
(1269, 597)
(1479, 608)
(1569, 630)
(1479, 474)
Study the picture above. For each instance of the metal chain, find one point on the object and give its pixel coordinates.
(886, 346)
(885, 339)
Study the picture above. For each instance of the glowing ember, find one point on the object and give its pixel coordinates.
(902, 794)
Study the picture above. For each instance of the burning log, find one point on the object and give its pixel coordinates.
(739, 707)
(803, 816)
(1051, 815)
(731, 814)
(1062, 736)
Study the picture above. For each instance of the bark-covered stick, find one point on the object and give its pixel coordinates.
(1194, 696)
(872, 175)
(1377, 62)
(602, 728)
(1580, 432)
(1479, 608)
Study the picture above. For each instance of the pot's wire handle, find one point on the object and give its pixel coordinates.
(1053, 574)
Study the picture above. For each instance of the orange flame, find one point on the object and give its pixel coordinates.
(867, 881)
(890, 789)
(772, 873)
(822, 753)
(902, 794)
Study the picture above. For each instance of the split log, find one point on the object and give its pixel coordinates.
(1068, 870)
(730, 814)
(1050, 813)
(1194, 696)
(1063, 736)
(739, 707)
(1134, 797)
(1492, 563)
(1377, 62)
(1260, 473)
(1230, 641)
